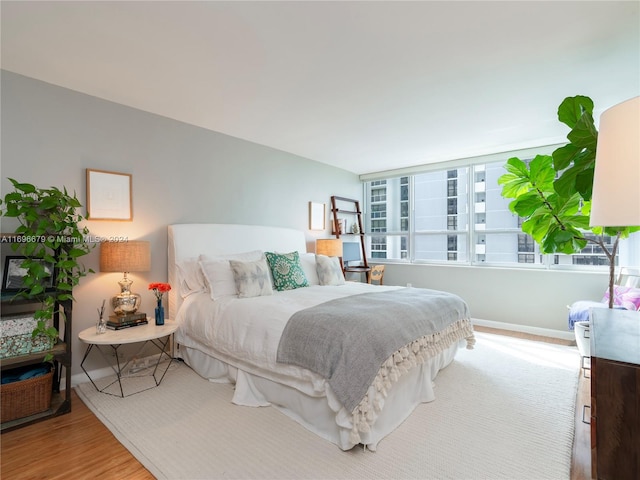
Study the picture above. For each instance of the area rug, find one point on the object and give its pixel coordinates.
(504, 410)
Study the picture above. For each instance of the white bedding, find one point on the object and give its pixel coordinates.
(235, 340)
(245, 332)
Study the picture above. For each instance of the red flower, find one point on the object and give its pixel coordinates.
(159, 289)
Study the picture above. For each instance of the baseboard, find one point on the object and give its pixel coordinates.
(544, 332)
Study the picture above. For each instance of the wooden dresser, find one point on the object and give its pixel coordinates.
(615, 394)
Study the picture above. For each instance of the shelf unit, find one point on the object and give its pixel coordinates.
(348, 207)
(62, 321)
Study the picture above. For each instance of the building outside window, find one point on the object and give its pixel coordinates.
(458, 215)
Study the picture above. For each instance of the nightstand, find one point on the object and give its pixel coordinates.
(615, 394)
(107, 345)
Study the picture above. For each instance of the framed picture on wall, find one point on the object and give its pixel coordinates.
(108, 195)
(316, 216)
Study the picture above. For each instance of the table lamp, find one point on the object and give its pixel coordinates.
(615, 201)
(616, 181)
(331, 247)
(125, 257)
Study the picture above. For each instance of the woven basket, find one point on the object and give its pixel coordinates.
(26, 397)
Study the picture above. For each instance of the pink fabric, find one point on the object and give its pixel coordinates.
(625, 297)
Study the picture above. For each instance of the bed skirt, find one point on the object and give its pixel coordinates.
(323, 415)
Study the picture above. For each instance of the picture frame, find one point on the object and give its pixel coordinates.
(317, 216)
(109, 195)
(13, 274)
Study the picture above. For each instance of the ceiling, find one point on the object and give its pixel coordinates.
(365, 86)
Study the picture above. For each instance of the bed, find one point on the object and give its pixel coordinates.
(243, 332)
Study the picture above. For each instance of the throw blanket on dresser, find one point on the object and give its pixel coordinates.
(369, 340)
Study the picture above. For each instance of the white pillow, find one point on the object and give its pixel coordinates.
(219, 275)
(329, 271)
(190, 278)
(308, 262)
(253, 279)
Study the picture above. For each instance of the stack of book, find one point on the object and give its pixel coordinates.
(118, 322)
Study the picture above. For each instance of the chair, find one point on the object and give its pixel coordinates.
(376, 274)
(629, 277)
(626, 296)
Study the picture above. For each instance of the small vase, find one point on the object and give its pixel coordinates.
(159, 314)
(101, 326)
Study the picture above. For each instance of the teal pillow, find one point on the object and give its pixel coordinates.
(286, 271)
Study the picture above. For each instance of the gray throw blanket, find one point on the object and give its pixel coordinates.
(348, 340)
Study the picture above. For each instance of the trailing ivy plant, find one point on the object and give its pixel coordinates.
(49, 232)
(553, 192)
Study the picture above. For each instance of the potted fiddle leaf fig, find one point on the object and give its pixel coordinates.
(49, 233)
(552, 193)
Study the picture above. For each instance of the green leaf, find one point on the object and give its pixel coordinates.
(526, 204)
(29, 248)
(563, 156)
(571, 109)
(565, 184)
(517, 181)
(48, 203)
(51, 332)
(513, 186)
(76, 252)
(12, 197)
(542, 173)
(537, 226)
(584, 182)
(581, 222)
(517, 167)
(23, 187)
(567, 206)
(42, 314)
(584, 134)
(36, 289)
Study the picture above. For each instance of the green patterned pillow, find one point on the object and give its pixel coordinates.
(286, 271)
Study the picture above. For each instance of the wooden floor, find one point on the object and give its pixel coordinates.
(78, 446)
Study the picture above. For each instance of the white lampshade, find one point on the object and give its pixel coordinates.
(616, 182)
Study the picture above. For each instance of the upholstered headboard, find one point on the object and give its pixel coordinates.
(190, 240)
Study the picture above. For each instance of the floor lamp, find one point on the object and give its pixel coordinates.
(616, 182)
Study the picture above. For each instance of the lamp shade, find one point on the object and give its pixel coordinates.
(616, 182)
(331, 247)
(125, 256)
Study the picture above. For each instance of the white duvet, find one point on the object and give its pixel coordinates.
(245, 332)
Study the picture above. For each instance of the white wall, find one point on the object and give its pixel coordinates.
(528, 298)
(181, 174)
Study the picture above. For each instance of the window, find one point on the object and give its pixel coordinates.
(458, 215)
(440, 210)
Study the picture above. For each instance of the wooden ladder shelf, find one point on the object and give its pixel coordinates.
(348, 207)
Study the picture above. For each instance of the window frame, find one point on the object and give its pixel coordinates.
(547, 261)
